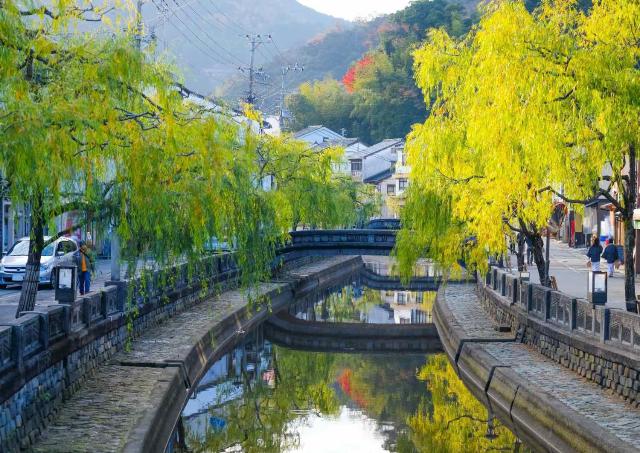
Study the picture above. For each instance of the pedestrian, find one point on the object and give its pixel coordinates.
(529, 242)
(610, 254)
(594, 253)
(85, 262)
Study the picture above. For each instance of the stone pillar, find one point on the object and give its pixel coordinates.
(115, 256)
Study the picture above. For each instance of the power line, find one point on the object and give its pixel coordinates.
(231, 21)
(278, 50)
(220, 58)
(165, 12)
(206, 50)
(213, 40)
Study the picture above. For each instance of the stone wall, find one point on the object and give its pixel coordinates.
(598, 343)
(46, 355)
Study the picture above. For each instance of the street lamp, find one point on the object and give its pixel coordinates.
(597, 288)
(66, 282)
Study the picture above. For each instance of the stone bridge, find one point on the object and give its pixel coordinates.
(289, 331)
(340, 242)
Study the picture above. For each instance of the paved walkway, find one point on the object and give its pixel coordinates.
(569, 267)
(100, 416)
(10, 296)
(586, 398)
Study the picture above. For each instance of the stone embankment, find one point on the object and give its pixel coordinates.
(82, 392)
(496, 351)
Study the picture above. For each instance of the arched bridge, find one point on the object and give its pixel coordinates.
(339, 242)
(286, 330)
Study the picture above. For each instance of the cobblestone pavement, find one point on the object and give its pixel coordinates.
(463, 303)
(98, 417)
(583, 396)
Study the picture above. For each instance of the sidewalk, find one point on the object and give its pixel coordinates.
(569, 267)
(10, 296)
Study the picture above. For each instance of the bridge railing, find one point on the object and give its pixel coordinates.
(355, 237)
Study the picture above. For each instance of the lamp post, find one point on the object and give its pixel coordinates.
(66, 283)
(597, 288)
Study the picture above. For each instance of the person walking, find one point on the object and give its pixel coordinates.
(610, 254)
(529, 250)
(86, 265)
(594, 253)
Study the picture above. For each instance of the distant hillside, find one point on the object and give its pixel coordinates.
(207, 39)
(329, 55)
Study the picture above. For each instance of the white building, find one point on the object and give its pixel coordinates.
(316, 135)
(384, 165)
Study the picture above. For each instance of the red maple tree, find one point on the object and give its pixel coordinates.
(350, 77)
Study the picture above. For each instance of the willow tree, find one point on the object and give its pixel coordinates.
(90, 124)
(519, 107)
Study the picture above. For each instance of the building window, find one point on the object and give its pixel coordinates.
(356, 166)
(403, 183)
(402, 298)
(391, 189)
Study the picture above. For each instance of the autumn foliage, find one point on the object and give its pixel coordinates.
(351, 76)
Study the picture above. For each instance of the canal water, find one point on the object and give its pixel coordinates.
(261, 397)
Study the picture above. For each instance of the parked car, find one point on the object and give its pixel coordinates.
(383, 224)
(13, 265)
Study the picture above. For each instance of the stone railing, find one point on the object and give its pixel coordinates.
(599, 343)
(47, 353)
(36, 331)
(335, 242)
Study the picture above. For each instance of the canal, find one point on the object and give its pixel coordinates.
(262, 397)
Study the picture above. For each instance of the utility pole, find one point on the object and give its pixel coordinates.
(139, 25)
(283, 93)
(255, 41)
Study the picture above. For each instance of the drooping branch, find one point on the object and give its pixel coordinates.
(88, 14)
(453, 180)
(601, 192)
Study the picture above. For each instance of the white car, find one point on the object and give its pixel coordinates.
(13, 265)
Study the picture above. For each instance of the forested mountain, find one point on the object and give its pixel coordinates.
(207, 40)
(328, 55)
(377, 97)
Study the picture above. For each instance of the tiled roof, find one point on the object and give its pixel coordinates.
(384, 144)
(375, 179)
(344, 142)
(307, 130)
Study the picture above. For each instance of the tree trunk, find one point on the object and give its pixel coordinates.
(32, 272)
(630, 196)
(538, 258)
(629, 265)
(520, 252)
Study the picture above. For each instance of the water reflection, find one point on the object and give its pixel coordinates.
(264, 398)
(355, 302)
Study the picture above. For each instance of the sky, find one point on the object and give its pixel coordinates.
(353, 9)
